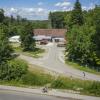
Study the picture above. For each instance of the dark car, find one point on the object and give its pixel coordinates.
(43, 42)
(61, 44)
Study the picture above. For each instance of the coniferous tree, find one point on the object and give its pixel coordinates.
(77, 16)
(1, 15)
(5, 48)
(27, 41)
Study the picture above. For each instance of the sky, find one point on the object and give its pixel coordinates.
(39, 9)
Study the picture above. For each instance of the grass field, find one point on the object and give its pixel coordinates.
(36, 53)
(82, 68)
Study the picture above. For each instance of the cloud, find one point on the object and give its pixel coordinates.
(67, 8)
(40, 10)
(41, 13)
(40, 3)
(62, 4)
(91, 6)
(11, 11)
(30, 13)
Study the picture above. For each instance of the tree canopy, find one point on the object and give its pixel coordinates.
(83, 35)
(77, 14)
(27, 41)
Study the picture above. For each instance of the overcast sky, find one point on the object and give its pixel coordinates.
(39, 9)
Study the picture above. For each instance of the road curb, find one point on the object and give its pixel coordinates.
(31, 91)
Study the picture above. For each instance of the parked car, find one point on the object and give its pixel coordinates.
(61, 44)
(43, 42)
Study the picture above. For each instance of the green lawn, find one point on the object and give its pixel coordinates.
(36, 53)
(82, 68)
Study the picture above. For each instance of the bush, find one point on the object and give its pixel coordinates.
(5, 48)
(14, 69)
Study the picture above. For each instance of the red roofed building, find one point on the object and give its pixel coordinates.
(50, 34)
(60, 33)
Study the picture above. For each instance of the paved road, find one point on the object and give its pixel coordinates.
(52, 61)
(19, 93)
(12, 95)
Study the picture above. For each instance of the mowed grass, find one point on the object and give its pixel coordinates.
(36, 53)
(82, 68)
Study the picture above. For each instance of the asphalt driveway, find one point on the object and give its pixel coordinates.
(52, 60)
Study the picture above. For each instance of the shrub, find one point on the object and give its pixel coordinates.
(13, 69)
